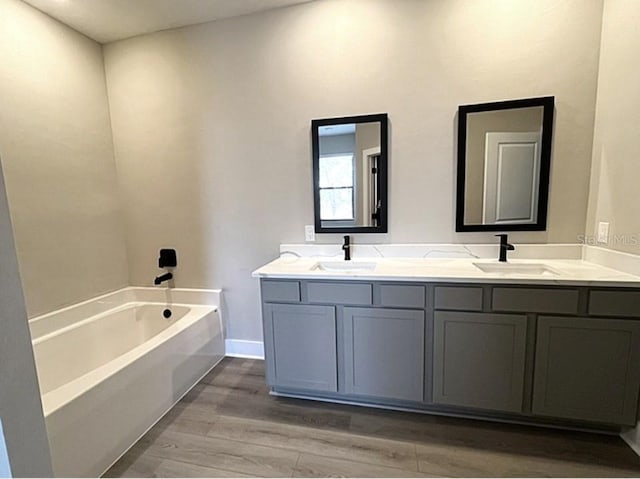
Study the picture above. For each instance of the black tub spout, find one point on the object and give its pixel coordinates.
(162, 278)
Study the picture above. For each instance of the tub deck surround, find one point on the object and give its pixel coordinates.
(54, 321)
(64, 379)
(110, 367)
(446, 263)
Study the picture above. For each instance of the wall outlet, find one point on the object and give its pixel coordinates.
(603, 232)
(309, 233)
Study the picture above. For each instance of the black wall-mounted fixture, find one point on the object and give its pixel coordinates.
(168, 258)
(162, 278)
(346, 247)
(504, 247)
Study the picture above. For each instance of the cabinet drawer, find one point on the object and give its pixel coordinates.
(458, 298)
(615, 303)
(339, 293)
(538, 300)
(402, 296)
(280, 291)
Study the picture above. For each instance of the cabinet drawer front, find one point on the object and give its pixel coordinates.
(458, 298)
(280, 291)
(615, 303)
(479, 359)
(339, 293)
(587, 368)
(402, 296)
(530, 300)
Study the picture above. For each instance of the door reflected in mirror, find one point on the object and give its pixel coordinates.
(503, 165)
(349, 160)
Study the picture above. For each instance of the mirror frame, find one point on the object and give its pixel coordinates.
(381, 118)
(547, 104)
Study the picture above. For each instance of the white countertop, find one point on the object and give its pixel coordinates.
(568, 272)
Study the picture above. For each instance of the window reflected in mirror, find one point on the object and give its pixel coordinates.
(337, 190)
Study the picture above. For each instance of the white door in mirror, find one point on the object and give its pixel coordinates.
(511, 177)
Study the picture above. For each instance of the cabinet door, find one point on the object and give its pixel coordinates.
(384, 353)
(479, 360)
(587, 369)
(300, 344)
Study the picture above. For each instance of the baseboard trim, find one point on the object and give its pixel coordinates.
(239, 348)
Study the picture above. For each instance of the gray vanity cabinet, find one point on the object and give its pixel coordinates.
(384, 353)
(587, 368)
(479, 360)
(301, 346)
(538, 353)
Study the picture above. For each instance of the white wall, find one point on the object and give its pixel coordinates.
(616, 150)
(20, 406)
(214, 121)
(57, 150)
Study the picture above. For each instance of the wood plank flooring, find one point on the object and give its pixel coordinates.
(229, 426)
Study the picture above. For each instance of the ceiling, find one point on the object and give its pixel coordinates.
(109, 20)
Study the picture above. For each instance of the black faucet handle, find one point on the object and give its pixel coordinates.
(168, 258)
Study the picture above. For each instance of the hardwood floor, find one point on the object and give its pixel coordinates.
(228, 426)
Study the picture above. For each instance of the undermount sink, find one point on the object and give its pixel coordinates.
(537, 269)
(345, 266)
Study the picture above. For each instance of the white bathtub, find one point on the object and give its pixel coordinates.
(109, 368)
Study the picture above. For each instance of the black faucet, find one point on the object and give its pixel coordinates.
(164, 277)
(168, 259)
(347, 248)
(504, 247)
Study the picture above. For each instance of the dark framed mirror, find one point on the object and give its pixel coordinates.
(504, 159)
(350, 158)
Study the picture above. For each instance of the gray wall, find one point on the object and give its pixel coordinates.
(20, 406)
(215, 120)
(57, 150)
(615, 169)
(616, 150)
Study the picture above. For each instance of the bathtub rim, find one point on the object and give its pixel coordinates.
(65, 394)
(111, 299)
(103, 314)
